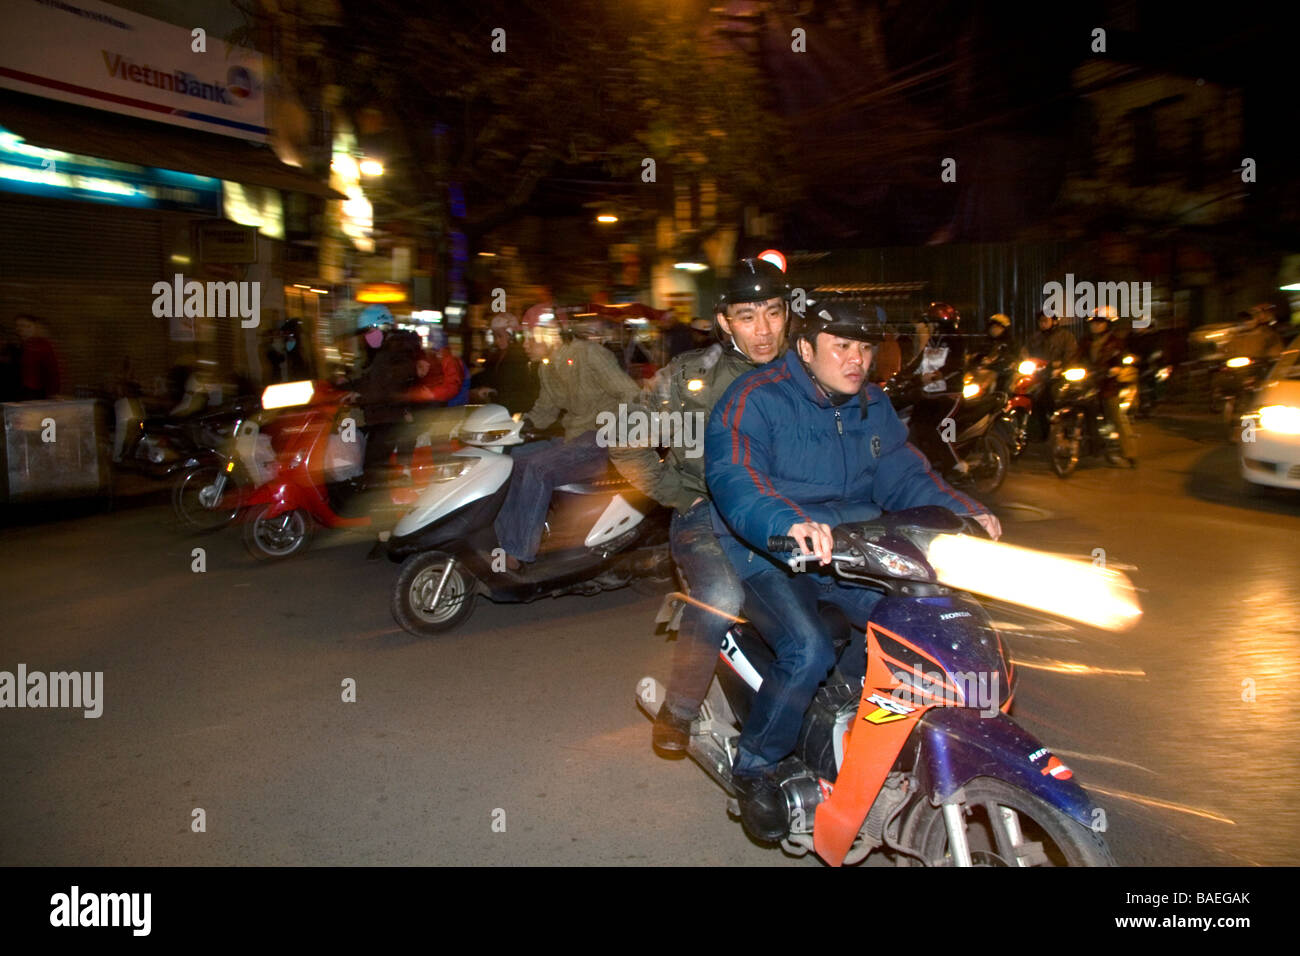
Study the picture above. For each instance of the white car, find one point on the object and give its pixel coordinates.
(1270, 445)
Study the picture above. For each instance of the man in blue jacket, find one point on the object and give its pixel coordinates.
(795, 448)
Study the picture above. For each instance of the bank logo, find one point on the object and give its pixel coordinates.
(239, 82)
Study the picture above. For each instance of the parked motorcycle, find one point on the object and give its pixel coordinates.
(195, 453)
(980, 436)
(921, 761)
(1079, 428)
(598, 535)
(316, 478)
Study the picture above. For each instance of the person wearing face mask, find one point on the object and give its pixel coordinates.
(288, 363)
(795, 448)
(383, 387)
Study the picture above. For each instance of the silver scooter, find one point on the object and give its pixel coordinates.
(598, 535)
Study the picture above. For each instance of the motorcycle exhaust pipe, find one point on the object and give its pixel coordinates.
(802, 795)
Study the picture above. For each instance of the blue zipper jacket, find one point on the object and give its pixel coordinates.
(778, 452)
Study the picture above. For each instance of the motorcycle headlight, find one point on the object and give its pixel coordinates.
(1128, 359)
(484, 438)
(1027, 367)
(1283, 419)
(1074, 374)
(449, 469)
(971, 389)
(1240, 361)
(897, 565)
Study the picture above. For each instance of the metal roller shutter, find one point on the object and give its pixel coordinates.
(89, 272)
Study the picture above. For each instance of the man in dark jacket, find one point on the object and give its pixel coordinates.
(751, 320)
(1055, 345)
(937, 372)
(1102, 351)
(794, 449)
(996, 351)
(391, 370)
(507, 378)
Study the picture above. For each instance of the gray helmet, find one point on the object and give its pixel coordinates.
(755, 280)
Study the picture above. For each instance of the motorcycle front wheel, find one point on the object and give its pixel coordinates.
(1005, 826)
(989, 460)
(417, 583)
(205, 499)
(273, 539)
(1063, 448)
(1020, 430)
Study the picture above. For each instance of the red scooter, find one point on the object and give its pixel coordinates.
(317, 478)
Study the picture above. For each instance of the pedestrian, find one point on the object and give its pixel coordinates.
(38, 363)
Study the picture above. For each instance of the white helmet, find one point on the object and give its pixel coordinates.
(505, 322)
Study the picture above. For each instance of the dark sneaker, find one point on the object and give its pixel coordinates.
(763, 808)
(671, 734)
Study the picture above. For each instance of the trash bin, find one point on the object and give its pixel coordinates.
(54, 449)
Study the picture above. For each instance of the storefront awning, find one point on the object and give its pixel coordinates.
(76, 129)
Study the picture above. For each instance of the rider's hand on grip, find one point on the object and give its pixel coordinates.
(814, 539)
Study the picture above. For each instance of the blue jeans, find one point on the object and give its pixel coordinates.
(784, 608)
(710, 579)
(538, 468)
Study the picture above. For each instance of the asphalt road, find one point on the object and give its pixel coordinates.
(516, 740)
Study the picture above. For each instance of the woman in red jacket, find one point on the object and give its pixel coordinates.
(441, 373)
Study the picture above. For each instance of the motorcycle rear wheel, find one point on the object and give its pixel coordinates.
(273, 539)
(1047, 836)
(416, 584)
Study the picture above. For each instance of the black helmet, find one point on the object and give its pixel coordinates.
(842, 319)
(944, 316)
(755, 280)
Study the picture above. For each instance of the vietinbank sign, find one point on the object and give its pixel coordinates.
(179, 81)
(94, 54)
